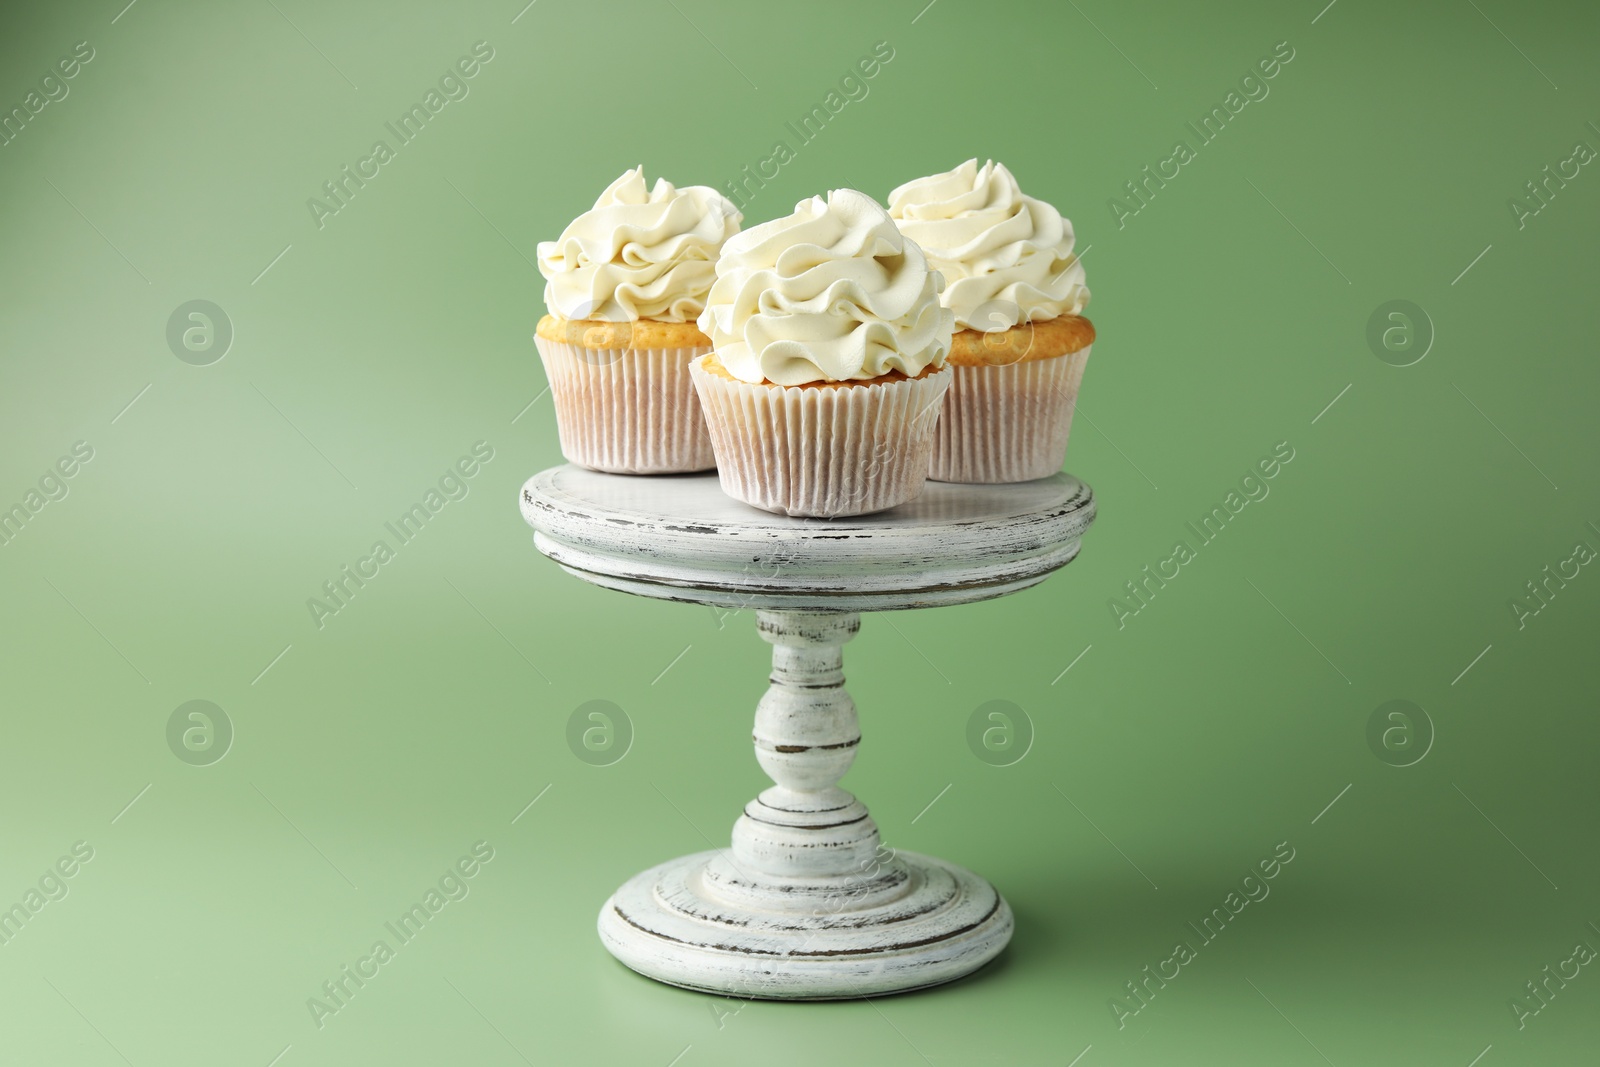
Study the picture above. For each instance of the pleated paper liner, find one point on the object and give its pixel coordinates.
(1007, 423)
(822, 452)
(627, 410)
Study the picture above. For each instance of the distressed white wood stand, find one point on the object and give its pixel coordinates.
(807, 903)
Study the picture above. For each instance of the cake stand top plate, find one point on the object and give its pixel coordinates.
(679, 537)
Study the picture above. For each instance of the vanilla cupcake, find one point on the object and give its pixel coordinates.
(1017, 290)
(624, 284)
(828, 368)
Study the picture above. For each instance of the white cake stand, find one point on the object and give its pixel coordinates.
(806, 904)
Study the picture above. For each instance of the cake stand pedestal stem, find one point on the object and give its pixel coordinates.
(806, 736)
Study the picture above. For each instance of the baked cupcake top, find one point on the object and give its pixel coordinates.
(1006, 257)
(638, 253)
(833, 292)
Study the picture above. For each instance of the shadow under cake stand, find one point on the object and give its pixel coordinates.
(806, 903)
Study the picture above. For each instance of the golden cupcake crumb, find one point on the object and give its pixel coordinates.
(1043, 339)
(712, 365)
(645, 333)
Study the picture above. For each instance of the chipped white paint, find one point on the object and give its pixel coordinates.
(807, 903)
(681, 538)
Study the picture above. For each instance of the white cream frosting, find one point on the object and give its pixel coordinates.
(833, 292)
(1006, 257)
(638, 253)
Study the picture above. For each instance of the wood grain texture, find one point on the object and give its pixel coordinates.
(806, 903)
(681, 538)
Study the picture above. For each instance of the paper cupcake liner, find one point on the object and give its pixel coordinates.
(825, 451)
(1008, 423)
(627, 410)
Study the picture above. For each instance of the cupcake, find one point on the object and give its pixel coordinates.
(1017, 292)
(828, 364)
(624, 284)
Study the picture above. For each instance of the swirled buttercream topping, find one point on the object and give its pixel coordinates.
(1006, 257)
(638, 253)
(833, 292)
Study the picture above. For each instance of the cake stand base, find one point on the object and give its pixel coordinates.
(695, 922)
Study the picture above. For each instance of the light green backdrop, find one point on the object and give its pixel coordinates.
(371, 352)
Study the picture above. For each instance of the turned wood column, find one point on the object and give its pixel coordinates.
(806, 735)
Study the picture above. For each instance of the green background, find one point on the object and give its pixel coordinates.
(1221, 720)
